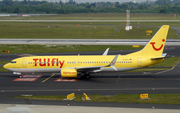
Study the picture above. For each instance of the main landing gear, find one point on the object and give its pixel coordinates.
(87, 75)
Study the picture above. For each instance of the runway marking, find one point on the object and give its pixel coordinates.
(48, 78)
(32, 76)
(118, 79)
(25, 79)
(169, 69)
(65, 80)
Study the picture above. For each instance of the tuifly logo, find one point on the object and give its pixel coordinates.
(157, 49)
(48, 62)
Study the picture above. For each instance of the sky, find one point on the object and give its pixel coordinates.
(121, 1)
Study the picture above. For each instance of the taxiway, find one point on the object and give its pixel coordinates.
(107, 84)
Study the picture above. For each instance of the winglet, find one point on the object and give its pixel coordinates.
(113, 62)
(106, 52)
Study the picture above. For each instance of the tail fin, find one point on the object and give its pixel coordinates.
(156, 45)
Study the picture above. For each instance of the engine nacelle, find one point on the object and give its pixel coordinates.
(68, 73)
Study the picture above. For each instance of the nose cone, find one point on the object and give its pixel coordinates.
(6, 66)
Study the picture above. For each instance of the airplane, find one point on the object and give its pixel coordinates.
(75, 65)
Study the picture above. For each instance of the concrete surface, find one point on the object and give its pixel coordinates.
(86, 41)
(12, 108)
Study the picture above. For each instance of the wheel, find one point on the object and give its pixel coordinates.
(87, 76)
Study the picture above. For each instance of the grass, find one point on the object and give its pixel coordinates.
(120, 98)
(98, 16)
(148, 69)
(165, 65)
(55, 30)
(172, 24)
(168, 62)
(1, 67)
(60, 48)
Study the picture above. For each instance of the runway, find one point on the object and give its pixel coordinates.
(89, 20)
(102, 83)
(86, 41)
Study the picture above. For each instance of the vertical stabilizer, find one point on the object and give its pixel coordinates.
(156, 45)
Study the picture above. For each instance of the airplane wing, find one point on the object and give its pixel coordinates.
(98, 68)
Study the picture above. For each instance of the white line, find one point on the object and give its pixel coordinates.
(167, 70)
(89, 20)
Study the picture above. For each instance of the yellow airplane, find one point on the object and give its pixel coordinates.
(72, 66)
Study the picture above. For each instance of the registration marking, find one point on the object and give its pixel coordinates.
(25, 79)
(65, 80)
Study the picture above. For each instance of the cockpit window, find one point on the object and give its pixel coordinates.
(13, 62)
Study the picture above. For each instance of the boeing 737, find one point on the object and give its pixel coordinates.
(73, 66)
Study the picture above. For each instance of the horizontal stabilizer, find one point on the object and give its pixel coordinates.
(164, 54)
(159, 57)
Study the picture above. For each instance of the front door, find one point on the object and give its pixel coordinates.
(24, 62)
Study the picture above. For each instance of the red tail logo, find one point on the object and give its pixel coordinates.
(157, 49)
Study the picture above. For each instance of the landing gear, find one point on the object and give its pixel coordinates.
(87, 75)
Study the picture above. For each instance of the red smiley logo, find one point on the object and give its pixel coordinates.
(157, 49)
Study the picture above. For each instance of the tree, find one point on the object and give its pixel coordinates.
(122, 6)
(16, 10)
(163, 2)
(88, 6)
(142, 7)
(24, 1)
(176, 1)
(162, 11)
(116, 3)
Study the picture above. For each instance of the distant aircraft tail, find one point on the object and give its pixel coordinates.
(156, 45)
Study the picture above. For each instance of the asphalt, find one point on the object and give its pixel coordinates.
(86, 41)
(89, 20)
(106, 84)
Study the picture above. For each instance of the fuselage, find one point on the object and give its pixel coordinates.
(54, 64)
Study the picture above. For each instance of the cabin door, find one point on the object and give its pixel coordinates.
(24, 62)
